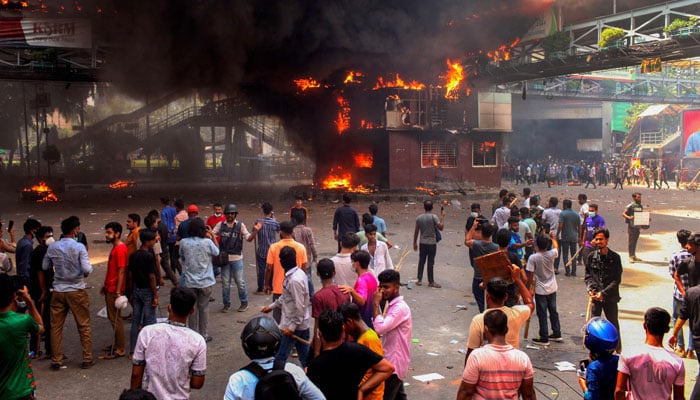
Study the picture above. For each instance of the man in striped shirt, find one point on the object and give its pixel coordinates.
(497, 370)
(265, 230)
(682, 284)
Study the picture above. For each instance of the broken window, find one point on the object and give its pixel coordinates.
(435, 154)
(484, 154)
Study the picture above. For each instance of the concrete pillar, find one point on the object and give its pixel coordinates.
(606, 116)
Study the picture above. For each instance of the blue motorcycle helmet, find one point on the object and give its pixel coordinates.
(601, 336)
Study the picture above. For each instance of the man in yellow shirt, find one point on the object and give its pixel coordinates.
(366, 336)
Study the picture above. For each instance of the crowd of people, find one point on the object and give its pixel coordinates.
(653, 174)
(359, 342)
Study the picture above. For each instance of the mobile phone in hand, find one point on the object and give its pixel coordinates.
(10, 225)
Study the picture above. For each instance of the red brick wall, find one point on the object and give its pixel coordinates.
(405, 170)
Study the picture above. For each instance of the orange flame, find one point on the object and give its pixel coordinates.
(454, 78)
(353, 77)
(369, 124)
(398, 83)
(42, 192)
(503, 53)
(120, 184)
(342, 122)
(363, 160)
(307, 83)
(487, 146)
(338, 178)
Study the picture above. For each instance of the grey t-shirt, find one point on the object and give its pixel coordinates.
(427, 223)
(571, 223)
(478, 249)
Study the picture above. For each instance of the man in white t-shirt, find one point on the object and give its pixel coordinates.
(650, 371)
(344, 272)
(540, 269)
(497, 370)
(171, 358)
(496, 295)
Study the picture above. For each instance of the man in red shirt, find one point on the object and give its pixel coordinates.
(217, 217)
(114, 286)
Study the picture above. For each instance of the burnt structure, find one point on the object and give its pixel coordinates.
(401, 139)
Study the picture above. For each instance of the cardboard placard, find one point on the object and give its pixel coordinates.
(495, 265)
(642, 219)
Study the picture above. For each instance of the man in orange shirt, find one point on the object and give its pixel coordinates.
(274, 273)
(366, 336)
(114, 285)
(133, 223)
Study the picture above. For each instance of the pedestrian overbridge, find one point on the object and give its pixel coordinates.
(646, 37)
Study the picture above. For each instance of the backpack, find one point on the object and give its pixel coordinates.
(275, 384)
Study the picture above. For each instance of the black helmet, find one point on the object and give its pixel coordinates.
(261, 337)
(231, 208)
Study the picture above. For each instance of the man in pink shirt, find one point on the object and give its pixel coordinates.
(394, 326)
(650, 371)
(365, 286)
(497, 370)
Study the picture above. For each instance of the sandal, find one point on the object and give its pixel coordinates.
(113, 356)
(435, 285)
(419, 283)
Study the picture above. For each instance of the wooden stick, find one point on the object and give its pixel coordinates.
(298, 339)
(404, 254)
(588, 317)
(527, 323)
(572, 259)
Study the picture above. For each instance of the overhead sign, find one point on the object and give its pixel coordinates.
(545, 25)
(691, 133)
(620, 75)
(66, 32)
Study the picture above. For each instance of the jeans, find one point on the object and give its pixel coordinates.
(286, 347)
(478, 293)
(78, 303)
(235, 269)
(547, 303)
(568, 249)
(426, 251)
(610, 309)
(310, 275)
(261, 263)
(276, 312)
(199, 320)
(676, 311)
(633, 236)
(144, 314)
(116, 321)
(393, 388)
(174, 251)
(165, 264)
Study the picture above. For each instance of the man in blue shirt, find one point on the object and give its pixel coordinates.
(592, 223)
(71, 265)
(24, 249)
(378, 222)
(261, 340)
(266, 230)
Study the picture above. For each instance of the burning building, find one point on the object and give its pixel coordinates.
(402, 135)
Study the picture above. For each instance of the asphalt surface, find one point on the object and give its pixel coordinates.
(440, 320)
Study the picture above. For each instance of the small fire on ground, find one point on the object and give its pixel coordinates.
(338, 178)
(41, 193)
(120, 184)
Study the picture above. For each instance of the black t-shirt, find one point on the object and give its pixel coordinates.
(690, 310)
(35, 260)
(693, 271)
(141, 264)
(478, 249)
(338, 372)
(163, 232)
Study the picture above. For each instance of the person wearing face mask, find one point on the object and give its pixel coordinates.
(603, 276)
(473, 216)
(590, 224)
(218, 215)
